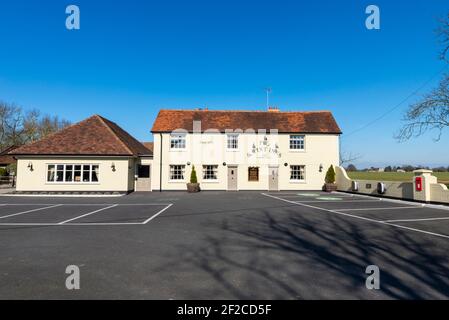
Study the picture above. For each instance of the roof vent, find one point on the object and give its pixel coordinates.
(273, 109)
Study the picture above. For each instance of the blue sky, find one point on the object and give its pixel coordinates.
(132, 58)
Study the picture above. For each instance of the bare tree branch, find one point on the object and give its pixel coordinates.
(348, 157)
(18, 128)
(443, 35)
(431, 113)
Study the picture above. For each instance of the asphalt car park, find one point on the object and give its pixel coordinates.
(223, 245)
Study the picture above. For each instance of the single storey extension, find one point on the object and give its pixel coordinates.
(230, 150)
(94, 155)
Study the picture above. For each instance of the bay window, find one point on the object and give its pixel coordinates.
(72, 173)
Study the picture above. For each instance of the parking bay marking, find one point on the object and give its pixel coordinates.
(156, 214)
(29, 211)
(339, 201)
(89, 213)
(68, 222)
(417, 220)
(361, 218)
(386, 208)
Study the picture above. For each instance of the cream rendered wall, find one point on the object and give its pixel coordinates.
(211, 149)
(439, 193)
(36, 180)
(394, 189)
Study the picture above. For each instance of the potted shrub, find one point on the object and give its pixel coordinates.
(193, 186)
(329, 180)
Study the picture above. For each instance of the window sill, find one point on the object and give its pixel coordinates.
(177, 181)
(298, 181)
(210, 181)
(232, 150)
(73, 183)
(177, 150)
(297, 150)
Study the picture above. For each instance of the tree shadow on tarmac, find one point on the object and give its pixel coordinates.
(314, 255)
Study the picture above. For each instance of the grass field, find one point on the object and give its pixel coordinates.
(443, 177)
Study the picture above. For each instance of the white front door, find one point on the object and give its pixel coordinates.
(273, 181)
(143, 182)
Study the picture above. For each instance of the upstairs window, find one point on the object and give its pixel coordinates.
(233, 141)
(296, 142)
(210, 172)
(177, 141)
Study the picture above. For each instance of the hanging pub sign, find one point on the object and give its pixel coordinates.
(253, 174)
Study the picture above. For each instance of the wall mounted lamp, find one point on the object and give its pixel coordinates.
(224, 164)
(30, 166)
(321, 167)
(113, 167)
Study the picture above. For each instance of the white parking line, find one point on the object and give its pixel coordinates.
(361, 218)
(85, 204)
(88, 214)
(29, 211)
(414, 220)
(70, 224)
(158, 213)
(339, 201)
(387, 208)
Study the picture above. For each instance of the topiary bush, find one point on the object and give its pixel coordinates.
(193, 178)
(330, 175)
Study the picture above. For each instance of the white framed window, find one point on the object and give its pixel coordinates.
(297, 173)
(177, 172)
(177, 141)
(73, 173)
(210, 172)
(297, 142)
(233, 141)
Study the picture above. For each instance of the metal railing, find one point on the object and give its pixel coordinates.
(7, 181)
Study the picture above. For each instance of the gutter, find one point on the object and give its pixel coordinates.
(160, 166)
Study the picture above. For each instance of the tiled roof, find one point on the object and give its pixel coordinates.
(149, 145)
(284, 122)
(5, 158)
(92, 136)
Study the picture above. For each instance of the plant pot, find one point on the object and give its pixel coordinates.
(329, 187)
(193, 187)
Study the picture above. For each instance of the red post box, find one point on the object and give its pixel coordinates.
(418, 183)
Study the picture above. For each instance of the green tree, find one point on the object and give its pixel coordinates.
(193, 178)
(330, 175)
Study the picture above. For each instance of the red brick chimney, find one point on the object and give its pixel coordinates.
(273, 109)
